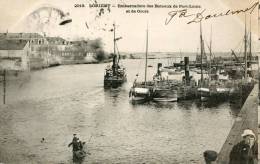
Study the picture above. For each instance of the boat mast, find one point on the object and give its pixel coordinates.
(146, 54)
(250, 43)
(114, 38)
(201, 56)
(115, 65)
(245, 52)
(210, 53)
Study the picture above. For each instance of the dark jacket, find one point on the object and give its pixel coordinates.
(242, 154)
(74, 144)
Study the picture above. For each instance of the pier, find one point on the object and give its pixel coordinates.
(247, 118)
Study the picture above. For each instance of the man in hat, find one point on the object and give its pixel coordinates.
(75, 146)
(245, 152)
(74, 143)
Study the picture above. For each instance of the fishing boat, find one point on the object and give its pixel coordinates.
(115, 75)
(216, 87)
(164, 90)
(246, 84)
(220, 86)
(142, 92)
(203, 89)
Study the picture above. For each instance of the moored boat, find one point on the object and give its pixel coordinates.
(141, 92)
(139, 95)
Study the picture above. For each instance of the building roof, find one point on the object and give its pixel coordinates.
(12, 44)
(20, 35)
(53, 39)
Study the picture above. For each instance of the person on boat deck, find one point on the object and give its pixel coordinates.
(245, 152)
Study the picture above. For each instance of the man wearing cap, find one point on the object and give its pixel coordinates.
(245, 152)
(74, 143)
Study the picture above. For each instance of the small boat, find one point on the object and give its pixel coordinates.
(141, 92)
(203, 90)
(115, 75)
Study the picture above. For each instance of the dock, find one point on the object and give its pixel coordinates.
(247, 118)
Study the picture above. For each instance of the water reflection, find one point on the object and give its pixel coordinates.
(115, 95)
(186, 105)
(209, 104)
(164, 105)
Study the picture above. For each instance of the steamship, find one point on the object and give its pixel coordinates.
(115, 75)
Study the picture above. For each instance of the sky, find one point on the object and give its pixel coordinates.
(227, 31)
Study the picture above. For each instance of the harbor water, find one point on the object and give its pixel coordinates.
(57, 102)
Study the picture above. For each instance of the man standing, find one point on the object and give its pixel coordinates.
(74, 142)
(75, 146)
(245, 152)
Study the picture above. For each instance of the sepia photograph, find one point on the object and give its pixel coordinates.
(129, 81)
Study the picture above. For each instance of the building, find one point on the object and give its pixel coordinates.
(14, 55)
(39, 56)
(33, 38)
(49, 51)
(57, 41)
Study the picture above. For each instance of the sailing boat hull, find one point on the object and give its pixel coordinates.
(219, 94)
(164, 95)
(140, 95)
(139, 100)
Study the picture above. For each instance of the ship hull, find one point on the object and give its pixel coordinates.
(139, 95)
(114, 82)
(164, 95)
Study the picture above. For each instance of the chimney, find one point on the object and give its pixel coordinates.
(6, 33)
(159, 65)
(187, 73)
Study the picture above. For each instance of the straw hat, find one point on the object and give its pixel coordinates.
(248, 132)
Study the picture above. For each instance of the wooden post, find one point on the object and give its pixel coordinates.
(4, 86)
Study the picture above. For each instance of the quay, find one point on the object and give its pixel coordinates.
(247, 118)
